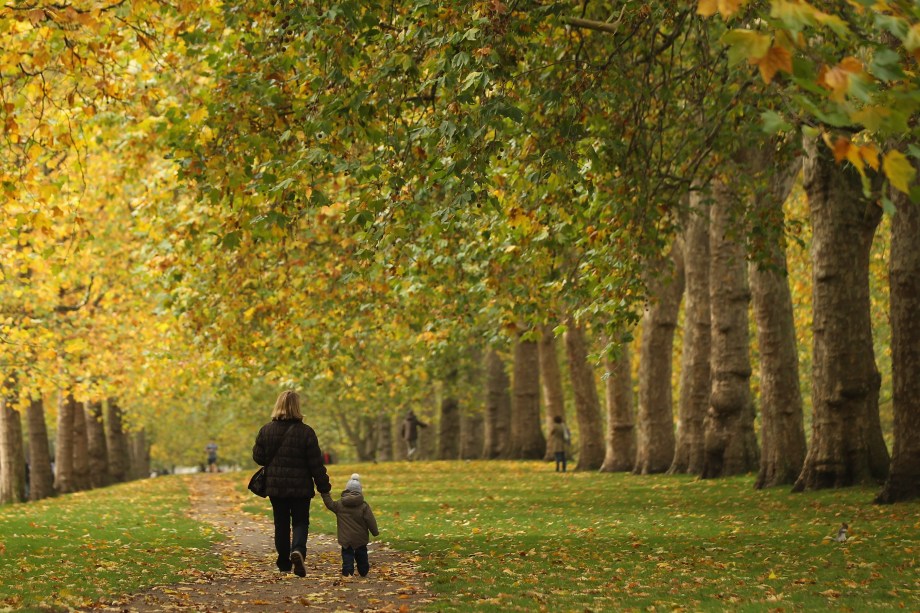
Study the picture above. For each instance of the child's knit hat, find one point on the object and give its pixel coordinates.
(354, 484)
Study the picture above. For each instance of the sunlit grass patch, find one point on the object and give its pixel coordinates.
(84, 548)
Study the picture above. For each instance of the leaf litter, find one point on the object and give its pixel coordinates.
(249, 581)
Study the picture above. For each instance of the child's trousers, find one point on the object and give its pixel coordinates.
(350, 555)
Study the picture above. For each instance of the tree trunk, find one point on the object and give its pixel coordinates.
(41, 477)
(384, 437)
(139, 454)
(655, 450)
(117, 443)
(498, 408)
(449, 425)
(98, 450)
(527, 440)
(846, 442)
(621, 432)
(81, 478)
(63, 459)
(695, 367)
(730, 441)
(782, 433)
(551, 378)
(12, 454)
(587, 406)
(471, 439)
(904, 278)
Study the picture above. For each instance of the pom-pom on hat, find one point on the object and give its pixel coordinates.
(354, 484)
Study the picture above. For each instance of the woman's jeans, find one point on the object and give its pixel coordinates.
(290, 513)
(350, 555)
(560, 460)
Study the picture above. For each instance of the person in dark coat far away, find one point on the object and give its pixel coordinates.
(290, 451)
(410, 427)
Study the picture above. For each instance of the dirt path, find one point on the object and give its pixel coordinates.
(249, 580)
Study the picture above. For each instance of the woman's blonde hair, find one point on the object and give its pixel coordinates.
(287, 406)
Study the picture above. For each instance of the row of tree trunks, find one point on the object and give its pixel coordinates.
(82, 458)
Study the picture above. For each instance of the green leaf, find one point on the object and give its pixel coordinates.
(231, 240)
(888, 205)
(745, 45)
(886, 65)
(774, 123)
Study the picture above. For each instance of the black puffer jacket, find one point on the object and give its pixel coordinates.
(297, 463)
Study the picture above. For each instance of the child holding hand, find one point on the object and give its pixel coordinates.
(354, 520)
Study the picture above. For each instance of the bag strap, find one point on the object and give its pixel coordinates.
(283, 438)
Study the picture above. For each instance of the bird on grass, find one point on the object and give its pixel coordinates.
(842, 533)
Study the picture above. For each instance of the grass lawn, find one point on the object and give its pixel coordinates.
(505, 536)
(77, 550)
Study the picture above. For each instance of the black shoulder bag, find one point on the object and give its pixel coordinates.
(258, 484)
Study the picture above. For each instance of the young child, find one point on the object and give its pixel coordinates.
(354, 519)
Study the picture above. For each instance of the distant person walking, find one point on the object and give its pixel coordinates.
(212, 457)
(355, 522)
(290, 451)
(559, 437)
(411, 424)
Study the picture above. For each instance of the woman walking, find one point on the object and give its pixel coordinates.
(289, 450)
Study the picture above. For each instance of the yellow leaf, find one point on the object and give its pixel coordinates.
(899, 170)
(870, 154)
(730, 7)
(776, 59)
(707, 8)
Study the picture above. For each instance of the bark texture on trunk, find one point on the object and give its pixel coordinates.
(498, 408)
(527, 440)
(729, 439)
(384, 437)
(471, 438)
(97, 448)
(81, 478)
(63, 457)
(117, 442)
(695, 382)
(782, 431)
(139, 453)
(41, 477)
(904, 278)
(551, 378)
(12, 455)
(449, 426)
(846, 442)
(587, 405)
(655, 450)
(620, 442)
